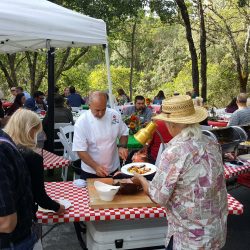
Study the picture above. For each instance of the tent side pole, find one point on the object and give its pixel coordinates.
(51, 87)
(111, 101)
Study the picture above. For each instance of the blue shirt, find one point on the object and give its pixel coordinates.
(75, 100)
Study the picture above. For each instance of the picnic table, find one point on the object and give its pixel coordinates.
(218, 123)
(81, 211)
(52, 161)
(234, 170)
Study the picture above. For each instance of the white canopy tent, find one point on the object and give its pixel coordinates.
(28, 25)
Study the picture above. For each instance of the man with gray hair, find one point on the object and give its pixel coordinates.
(95, 138)
(242, 115)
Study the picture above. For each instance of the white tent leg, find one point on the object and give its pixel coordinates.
(111, 101)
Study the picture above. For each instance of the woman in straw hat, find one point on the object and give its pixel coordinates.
(190, 180)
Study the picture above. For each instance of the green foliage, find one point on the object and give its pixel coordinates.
(120, 78)
(77, 77)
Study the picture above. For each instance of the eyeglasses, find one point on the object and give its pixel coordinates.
(13, 90)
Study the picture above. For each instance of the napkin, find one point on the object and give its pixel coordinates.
(80, 183)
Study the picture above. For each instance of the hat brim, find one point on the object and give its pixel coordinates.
(199, 115)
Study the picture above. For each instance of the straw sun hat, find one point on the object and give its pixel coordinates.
(180, 109)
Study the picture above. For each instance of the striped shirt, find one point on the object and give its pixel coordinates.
(240, 117)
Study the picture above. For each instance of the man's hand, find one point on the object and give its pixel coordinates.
(123, 153)
(101, 171)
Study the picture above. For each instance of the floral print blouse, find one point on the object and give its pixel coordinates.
(190, 184)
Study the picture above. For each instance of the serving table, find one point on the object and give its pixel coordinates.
(81, 211)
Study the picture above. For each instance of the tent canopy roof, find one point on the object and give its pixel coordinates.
(29, 24)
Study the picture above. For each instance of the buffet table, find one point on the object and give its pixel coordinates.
(80, 210)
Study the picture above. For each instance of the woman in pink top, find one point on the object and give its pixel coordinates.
(190, 180)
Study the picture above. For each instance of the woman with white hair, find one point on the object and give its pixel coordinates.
(23, 127)
(190, 180)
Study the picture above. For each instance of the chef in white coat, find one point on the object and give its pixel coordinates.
(95, 138)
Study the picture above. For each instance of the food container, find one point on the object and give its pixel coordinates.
(127, 187)
(106, 192)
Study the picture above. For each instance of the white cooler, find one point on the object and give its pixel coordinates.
(127, 234)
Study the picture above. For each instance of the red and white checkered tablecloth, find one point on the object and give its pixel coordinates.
(80, 210)
(51, 161)
(234, 206)
(231, 171)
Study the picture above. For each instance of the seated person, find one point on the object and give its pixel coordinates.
(139, 109)
(74, 99)
(242, 115)
(159, 98)
(122, 97)
(36, 103)
(61, 115)
(18, 103)
(156, 140)
(232, 106)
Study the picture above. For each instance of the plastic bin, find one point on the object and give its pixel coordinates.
(127, 234)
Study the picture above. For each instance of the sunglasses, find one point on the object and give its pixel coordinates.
(12, 90)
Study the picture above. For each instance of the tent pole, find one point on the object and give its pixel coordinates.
(111, 101)
(51, 87)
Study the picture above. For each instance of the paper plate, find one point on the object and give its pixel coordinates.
(66, 204)
(125, 168)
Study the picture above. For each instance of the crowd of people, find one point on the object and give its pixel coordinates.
(189, 180)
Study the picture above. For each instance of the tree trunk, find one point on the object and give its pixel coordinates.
(132, 60)
(203, 52)
(243, 84)
(195, 70)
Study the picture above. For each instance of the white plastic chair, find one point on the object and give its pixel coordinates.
(57, 126)
(161, 149)
(69, 154)
(68, 132)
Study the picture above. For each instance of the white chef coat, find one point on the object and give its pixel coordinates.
(98, 137)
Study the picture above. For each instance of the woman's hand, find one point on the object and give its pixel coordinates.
(140, 180)
(61, 210)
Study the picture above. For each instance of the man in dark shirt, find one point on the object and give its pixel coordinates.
(15, 198)
(36, 103)
(140, 110)
(74, 99)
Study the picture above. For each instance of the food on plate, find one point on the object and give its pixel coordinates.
(143, 169)
(127, 186)
(246, 143)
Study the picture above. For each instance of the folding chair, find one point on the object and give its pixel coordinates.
(69, 154)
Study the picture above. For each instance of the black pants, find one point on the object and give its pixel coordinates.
(86, 175)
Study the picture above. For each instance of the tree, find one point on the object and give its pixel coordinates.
(30, 67)
(233, 24)
(195, 70)
(203, 52)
